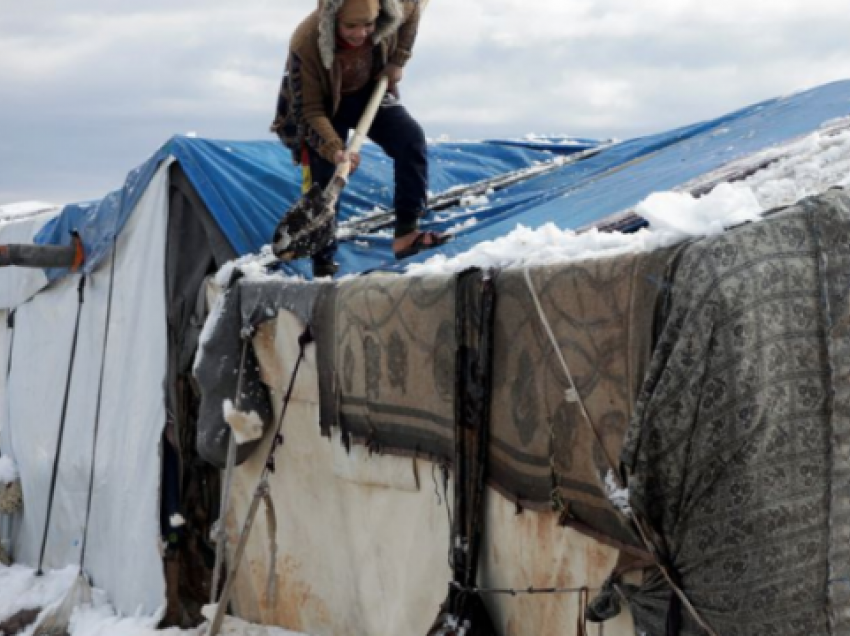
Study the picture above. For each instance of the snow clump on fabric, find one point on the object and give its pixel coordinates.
(8, 470)
(246, 427)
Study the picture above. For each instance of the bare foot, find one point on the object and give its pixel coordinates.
(417, 241)
(403, 242)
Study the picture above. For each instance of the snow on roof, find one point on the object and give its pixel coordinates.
(805, 167)
(24, 209)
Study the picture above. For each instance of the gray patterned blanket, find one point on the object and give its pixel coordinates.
(738, 454)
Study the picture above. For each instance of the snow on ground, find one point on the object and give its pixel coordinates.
(23, 590)
(806, 167)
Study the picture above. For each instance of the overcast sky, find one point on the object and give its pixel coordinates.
(90, 88)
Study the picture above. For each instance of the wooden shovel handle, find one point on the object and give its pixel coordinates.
(344, 169)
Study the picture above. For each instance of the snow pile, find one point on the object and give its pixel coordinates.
(101, 620)
(684, 216)
(246, 427)
(560, 140)
(815, 163)
(794, 171)
(463, 225)
(253, 266)
(548, 244)
(232, 626)
(8, 470)
(23, 590)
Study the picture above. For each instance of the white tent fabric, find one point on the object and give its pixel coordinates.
(361, 543)
(123, 554)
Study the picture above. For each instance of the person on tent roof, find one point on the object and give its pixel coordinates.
(335, 57)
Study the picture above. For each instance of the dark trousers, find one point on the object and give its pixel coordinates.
(398, 135)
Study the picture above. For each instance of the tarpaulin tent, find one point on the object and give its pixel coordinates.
(198, 203)
(714, 370)
(148, 248)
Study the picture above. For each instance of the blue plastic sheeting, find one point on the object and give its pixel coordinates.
(97, 222)
(248, 185)
(555, 145)
(618, 178)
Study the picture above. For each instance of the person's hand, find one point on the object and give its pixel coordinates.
(394, 74)
(353, 158)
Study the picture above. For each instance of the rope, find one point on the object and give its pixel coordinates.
(54, 474)
(5, 519)
(10, 328)
(220, 533)
(572, 395)
(260, 491)
(271, 526)
(581, 620)
(528, 590)
(99, 402)
(444, 471)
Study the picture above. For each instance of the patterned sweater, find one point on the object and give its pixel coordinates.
(312, 83)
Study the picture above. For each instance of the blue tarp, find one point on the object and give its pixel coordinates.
(248, 185)
(555, 145)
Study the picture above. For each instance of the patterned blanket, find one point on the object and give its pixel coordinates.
(387, 374)
(386, 355)
(601, 312)
(739, 451)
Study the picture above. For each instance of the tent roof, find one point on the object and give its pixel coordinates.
(248, 185)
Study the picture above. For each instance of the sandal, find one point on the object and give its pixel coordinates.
(420, 245)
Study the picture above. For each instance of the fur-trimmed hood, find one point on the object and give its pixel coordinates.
(389, 19)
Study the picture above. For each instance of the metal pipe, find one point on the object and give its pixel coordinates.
(43, 256)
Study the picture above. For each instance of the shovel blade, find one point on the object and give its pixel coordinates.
(307, 227)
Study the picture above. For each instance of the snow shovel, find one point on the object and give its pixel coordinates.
(309, 225)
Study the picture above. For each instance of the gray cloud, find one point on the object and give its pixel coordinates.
(90, 89)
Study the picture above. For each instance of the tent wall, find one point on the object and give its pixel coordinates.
(195, 249)
(123, 535)
(362, 541)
